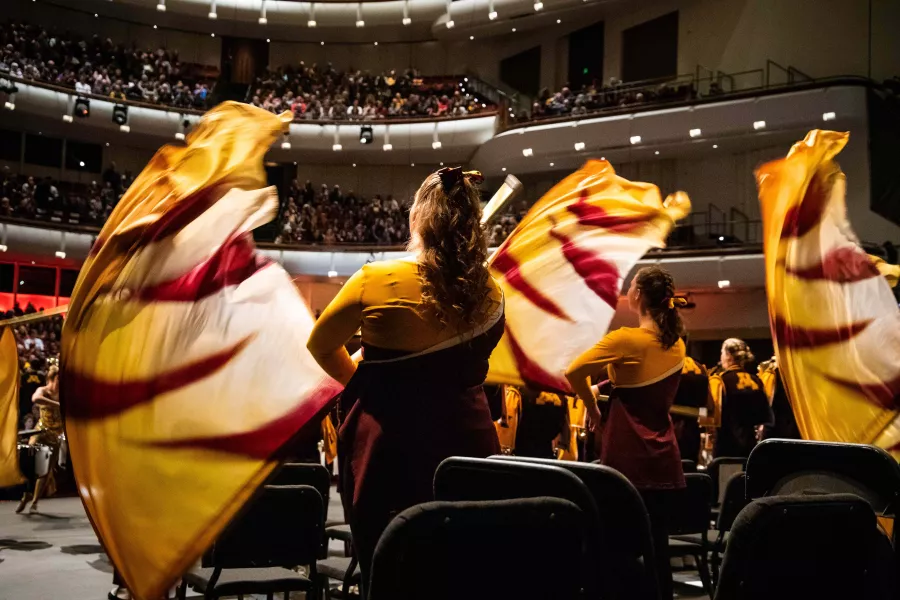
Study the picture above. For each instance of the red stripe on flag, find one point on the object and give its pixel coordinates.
(233, 263)
(802, 218)
(592, 215)
(511, 269)
(601, 276)
(264, 441)
(810, 337)
(841, 265)
(885, 393)
(91, 398)
(534, 374)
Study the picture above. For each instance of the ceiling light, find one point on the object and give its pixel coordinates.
(60, 254)
(695, 132)
(721, 238)
(360, 23)
(602, 158)
(657, 153)
(513, 29)
(337, 147)
(538, 6)
(503, 169)
(376, 43)
(321, 43)
(263, 21)
(161, 7)
(107, 144)
(442, 163)
(387, 147)
(179, 136)
(492, 15)
(450, 24)
(285, 145)
(551, 164)
(154, 27)
(407, 20)
(715, 146)
(471, 37)
(3, 248)
(213, 16)
(12, 106)
(466, 79)
(829, 116)
(124, 128)
(635, 139)
(81, 163)
(435, 145)
(724, 283)
(212, 35)
(332, 273)
(354, 165)
(311, 23)
(96, 15)
(579, 146)
(527, 152)
(483, 105)
(268, 40)
(412, 164)
(67, 118)
(757, 125)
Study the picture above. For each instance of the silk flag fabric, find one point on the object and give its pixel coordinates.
(834, 319)
(562, 269)
(9, 409)
(184, 364)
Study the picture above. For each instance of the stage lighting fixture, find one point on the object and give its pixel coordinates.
(365, 134)
(120, 114)
(82, 108)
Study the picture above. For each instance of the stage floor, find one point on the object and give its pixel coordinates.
(55, 555)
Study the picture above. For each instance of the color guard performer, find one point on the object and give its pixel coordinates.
(47, 400)
(429, 324)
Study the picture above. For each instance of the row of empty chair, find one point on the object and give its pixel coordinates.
(797, 520)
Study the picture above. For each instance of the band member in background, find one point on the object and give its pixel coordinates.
(544, 418)
(644, 366)
(693, 394)
(46, 398)
(785, 425)
(429, 325)
(741, 400)
(508, 423)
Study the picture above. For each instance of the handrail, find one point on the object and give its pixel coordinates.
(771, 63)
(487, 112)
(792, 71)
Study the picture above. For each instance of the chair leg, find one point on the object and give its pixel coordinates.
(715, 566)
(703, 569)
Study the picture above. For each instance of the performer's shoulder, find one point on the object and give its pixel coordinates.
(390, 267)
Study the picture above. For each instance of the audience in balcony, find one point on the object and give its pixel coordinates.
(100, 67)
(612, 94)
(317, 93)
(309, 215)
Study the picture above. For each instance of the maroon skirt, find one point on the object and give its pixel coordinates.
(406, 417)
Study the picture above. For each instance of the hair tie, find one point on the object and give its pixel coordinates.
(676, 301)
(452, 176)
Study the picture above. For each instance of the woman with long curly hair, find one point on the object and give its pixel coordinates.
(644, 366)
(429, 324)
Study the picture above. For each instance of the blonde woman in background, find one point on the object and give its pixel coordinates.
(741, 401)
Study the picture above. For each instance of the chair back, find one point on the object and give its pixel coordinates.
(625, 546)
(311, 474)
(721, 469)
(693, 507)
(783, 467)
(281, 527)
(826, 547)
(517, 549)
(733, 502)
(688, 466)
(473, 479)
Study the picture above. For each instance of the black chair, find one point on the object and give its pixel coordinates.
(690, 515)
(279, 530)
(473, 479)
(688, 466)
(721, 470)
(626, 566)
(344, 569)
(488, 550)
(312, 474)
(825, 547)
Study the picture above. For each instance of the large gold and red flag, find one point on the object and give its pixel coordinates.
(835, 322)
(562, 269)
(9, 409)
(184, 363)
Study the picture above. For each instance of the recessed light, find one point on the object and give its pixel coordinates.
(337, 147)
(715, 146)
(757, 125)
(412, 164)
(387, 147)
(311, 23)
(212, 35)
(154, 27)
(829, 116)
(657, 152)
(451, 24)
(527, 152)
(635, 139)
(471, 37)
(354, 165)
(321, 43)
(558, 21)
(269, 40)
(579, 146)
(492, 15)
(724, 283)
(503, 169)
(514, 29)
(376, 43)
(551, 164)
(407, 20)
(263, 21)
(435, 145)
(695, 132)
(538, 6)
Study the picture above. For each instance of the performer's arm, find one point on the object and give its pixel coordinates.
(337, 324)
(41, 398)
(590, 364)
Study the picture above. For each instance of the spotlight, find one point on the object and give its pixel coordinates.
(67, 118)
(360, 23)
(435, 145)
(311, 23)
(82, 108)
(527, 152)
(124, 128)
(450, 24)
(695, 132)
(3, 248)
(724, 283)
(120, 114)
(579, 146)
(829, 116)
(161, 7)
(60, 254)
(332, 273)
(179, 136)
(387, 147)
(492, 15)
(757, 125)
(10, 106)
(407, 21)
(365, 134)
(263, 21)
(635, 139)
(81, 164)
(337, 147)
(538, 6)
